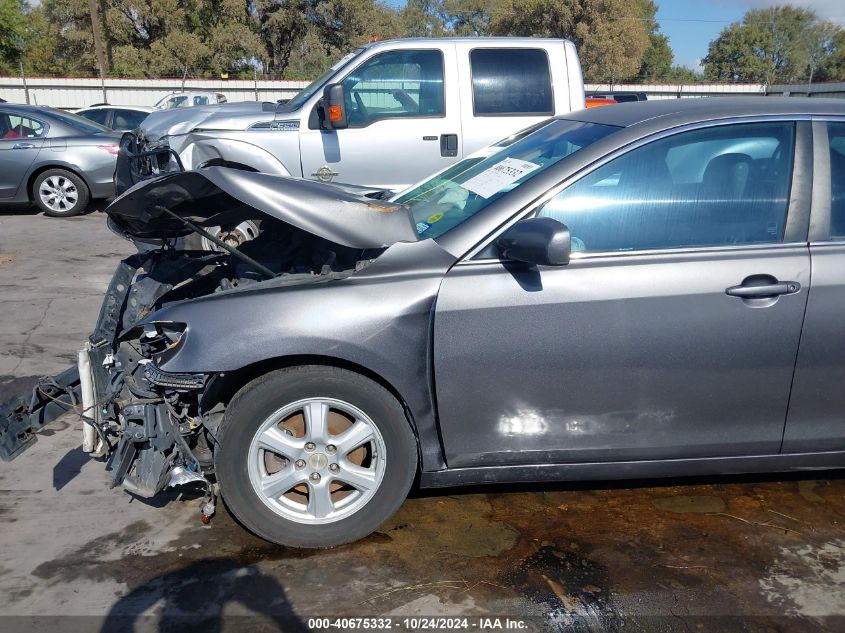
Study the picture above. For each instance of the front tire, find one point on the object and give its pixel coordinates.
(314, 456)
(60, 193)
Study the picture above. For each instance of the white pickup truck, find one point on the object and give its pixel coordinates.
(385, 115)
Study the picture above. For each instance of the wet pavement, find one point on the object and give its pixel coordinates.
(746, 554)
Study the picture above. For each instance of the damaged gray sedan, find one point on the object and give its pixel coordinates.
(622, 292)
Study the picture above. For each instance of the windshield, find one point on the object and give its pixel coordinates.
(456, 194)
(305, 94)
(77, 122)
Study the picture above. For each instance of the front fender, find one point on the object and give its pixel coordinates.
(200, 151)
(379, 318)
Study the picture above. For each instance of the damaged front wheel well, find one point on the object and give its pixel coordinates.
(228, 384)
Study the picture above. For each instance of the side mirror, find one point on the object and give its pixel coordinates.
(334, 107)
(541, 241)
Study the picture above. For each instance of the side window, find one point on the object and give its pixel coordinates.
(13, 126)
(511, 81)
(177, 102)
(97, 116)
(836, 134)
(707, 187)
(200, 100)
(128, 119)
(395, 84)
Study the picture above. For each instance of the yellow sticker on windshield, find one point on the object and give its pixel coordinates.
(436, 217)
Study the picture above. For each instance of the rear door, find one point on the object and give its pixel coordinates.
(404, 121)
(816, 419)
(672, 333)
(21, 138)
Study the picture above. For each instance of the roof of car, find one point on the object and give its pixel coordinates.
(100, 106)
(24, 107)
(679, 111)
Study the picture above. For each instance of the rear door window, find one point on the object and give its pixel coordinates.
(128, 119)
(511, 81)
(13, 126)
(100, 115)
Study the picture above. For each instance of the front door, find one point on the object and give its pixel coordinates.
(404, 122)
(672, 333)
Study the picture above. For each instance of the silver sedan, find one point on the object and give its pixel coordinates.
(56, 160)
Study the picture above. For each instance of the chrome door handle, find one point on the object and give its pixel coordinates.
(23, 146)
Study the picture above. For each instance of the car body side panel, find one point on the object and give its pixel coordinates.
(378, 318)
(816, 418)
(616, 358)
(16, 159)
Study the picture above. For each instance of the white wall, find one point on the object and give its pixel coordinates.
(78, 93)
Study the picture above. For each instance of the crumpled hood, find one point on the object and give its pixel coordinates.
(216, 196)
(228, 116)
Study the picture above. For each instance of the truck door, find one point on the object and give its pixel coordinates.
(403, 111)
(506, 89)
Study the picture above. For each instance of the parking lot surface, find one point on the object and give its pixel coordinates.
(744, 554)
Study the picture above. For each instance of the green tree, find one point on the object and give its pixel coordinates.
(658, 57)
(424, 18)
(833, 67)
(13, 34)
(781, 44)
(681, 75)
(611, 35)
(469, 17)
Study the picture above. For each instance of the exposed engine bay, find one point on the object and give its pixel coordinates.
(157, 428)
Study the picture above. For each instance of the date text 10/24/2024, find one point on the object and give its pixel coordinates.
(418, 623)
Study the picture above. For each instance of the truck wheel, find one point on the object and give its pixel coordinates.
(60, 193)
(314, 456)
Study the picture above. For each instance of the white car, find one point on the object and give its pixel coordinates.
(116, 117)
(189, 99)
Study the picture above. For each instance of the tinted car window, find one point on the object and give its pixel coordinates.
(77, 122)
(511, 81)
(128, 119)
(14, 126)
(201, 100)
(395, 84)
(713, 186)
(100, 115)
(836, 134)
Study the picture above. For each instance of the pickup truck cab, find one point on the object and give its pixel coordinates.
(409, 108)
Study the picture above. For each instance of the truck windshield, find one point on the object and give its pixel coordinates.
(456, 194)
(305, 94)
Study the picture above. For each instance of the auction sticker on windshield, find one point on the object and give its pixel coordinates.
(492, 180)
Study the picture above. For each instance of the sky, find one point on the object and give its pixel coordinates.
(691, 26)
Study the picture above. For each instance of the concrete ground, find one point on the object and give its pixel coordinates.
(755, 554)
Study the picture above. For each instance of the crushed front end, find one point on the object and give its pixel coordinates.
(157, 428)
